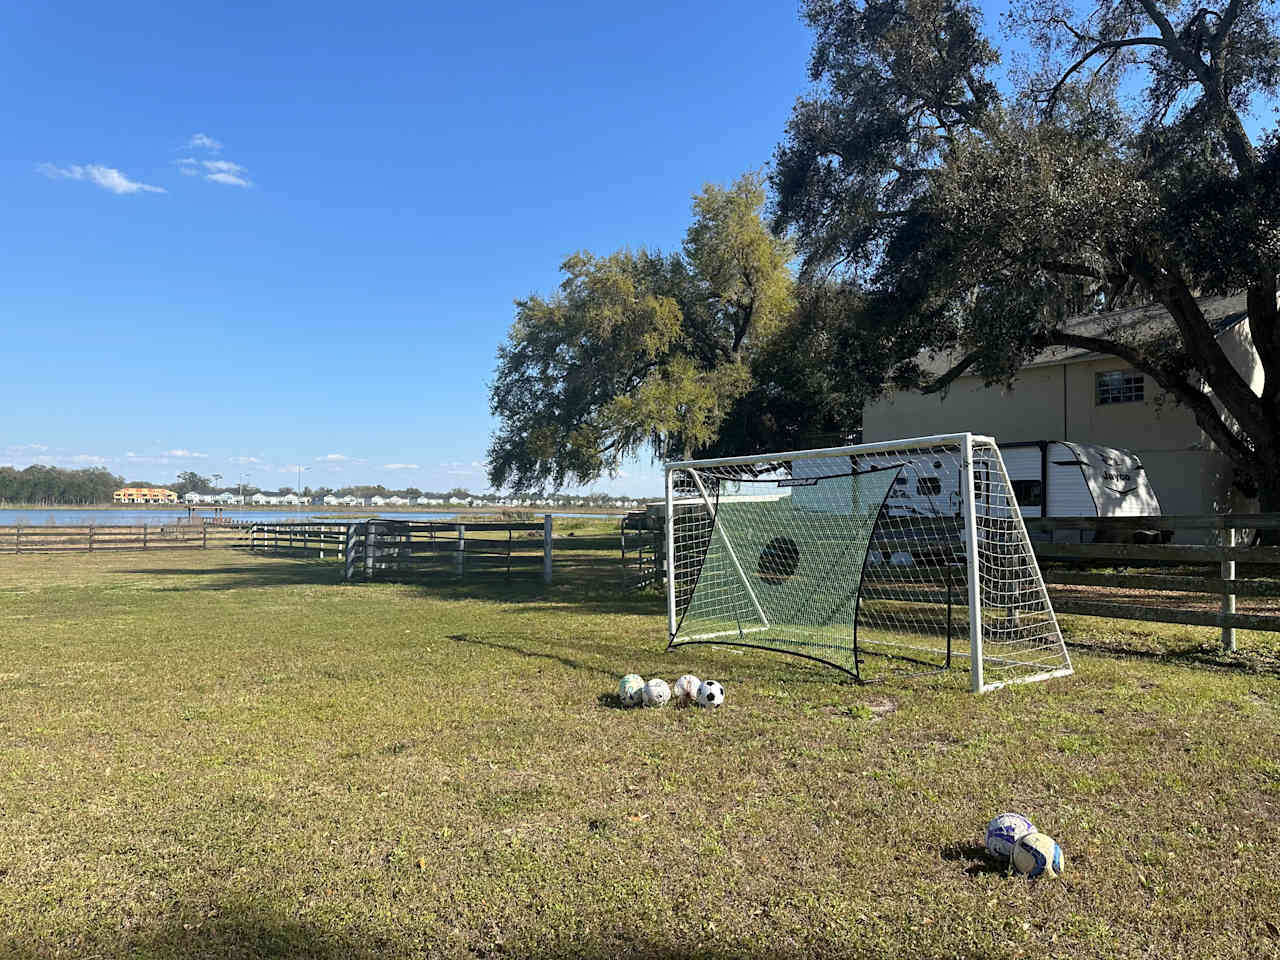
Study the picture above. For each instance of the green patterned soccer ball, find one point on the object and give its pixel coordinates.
(631, 690)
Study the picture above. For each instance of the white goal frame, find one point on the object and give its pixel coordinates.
(986, 554)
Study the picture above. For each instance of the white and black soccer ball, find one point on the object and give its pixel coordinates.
(656, 692)
(1004, 831)
(710, 694)
(631, 690)
(686, 689)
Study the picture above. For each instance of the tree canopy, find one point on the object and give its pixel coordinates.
(639, 349)
(1118, 171)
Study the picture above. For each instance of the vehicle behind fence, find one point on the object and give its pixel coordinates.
(1197, 570)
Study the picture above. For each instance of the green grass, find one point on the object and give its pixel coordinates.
(213, 754)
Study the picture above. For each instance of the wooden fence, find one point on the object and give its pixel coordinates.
(1226, 540)
(1160, 580)
(92, 537)
(405, 549)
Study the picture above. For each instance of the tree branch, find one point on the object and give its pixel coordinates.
(1202, 408)
(944, 381)
(1051, 100)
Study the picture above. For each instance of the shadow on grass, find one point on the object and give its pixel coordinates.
(534, 654)
(253, 932)
(240, 576)
(976, 855)
(1250, 662)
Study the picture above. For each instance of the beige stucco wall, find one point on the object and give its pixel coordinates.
(1058, 402)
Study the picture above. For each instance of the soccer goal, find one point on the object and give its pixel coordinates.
(878, 559)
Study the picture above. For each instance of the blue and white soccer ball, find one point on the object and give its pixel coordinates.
(1037, 855)
(656, 693)
(710, 694)
(1004, 831)
(685, 690)
(631, 690)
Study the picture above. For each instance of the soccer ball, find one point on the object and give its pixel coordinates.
(631, 690)
(1003, 832)
(656, 692)
(710, 694)
(686, 689)
(1037, 855)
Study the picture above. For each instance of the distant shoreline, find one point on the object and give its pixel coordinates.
(337, 509)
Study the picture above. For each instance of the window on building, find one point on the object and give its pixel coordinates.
(928, 486)
(1120, 386)
(1028, 493)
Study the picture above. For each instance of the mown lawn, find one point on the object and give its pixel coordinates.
(208, 754)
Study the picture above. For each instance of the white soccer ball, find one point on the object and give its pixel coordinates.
(656, 692)
(686, 689)
(631, 690)
(1004, 831)
(1037, 855)
(710, 694)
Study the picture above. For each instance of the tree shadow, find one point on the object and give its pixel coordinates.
(980, 862)
(534, 654)
(1255, 663)
(240, 576)
(253, 931)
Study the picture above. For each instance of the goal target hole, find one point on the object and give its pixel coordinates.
(779, 561)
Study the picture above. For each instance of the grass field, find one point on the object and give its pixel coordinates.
(209, 754)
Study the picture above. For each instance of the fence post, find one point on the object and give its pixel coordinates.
(91, 538)
(459, 560)
(204, 537)
(144, 536)
(349, 552)
(546, 548)
(17, 539)
(1228, 599)
(370, 547)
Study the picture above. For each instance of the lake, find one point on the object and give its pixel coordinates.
(25, 517)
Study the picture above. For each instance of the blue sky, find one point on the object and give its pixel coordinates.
(243, 237)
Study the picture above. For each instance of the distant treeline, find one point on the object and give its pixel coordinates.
(53, 485)
(39, 484)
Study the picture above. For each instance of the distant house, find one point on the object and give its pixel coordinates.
(144, 495)
(331, 501)
(227, 499)
(378, 501)
(260, 499)
(1074, 395)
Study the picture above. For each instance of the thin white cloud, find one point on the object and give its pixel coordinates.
(339, 458)
(244, 459)
(184, 454)
(188, 166)
(223, 166)
(401, 466)
(108, 178)
(230, 179)
(202, 141)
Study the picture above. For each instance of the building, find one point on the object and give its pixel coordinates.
(1069, 394)
(144, 495)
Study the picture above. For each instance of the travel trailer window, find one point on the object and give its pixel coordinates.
(1028, 493)
(1120, 386)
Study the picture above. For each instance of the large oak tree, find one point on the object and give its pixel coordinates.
(1119, 171)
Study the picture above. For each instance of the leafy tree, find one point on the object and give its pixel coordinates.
(39, 484)
(191, 482)
(1120, 171)
(639, 349)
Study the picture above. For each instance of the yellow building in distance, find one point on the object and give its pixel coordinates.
(144, 495)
